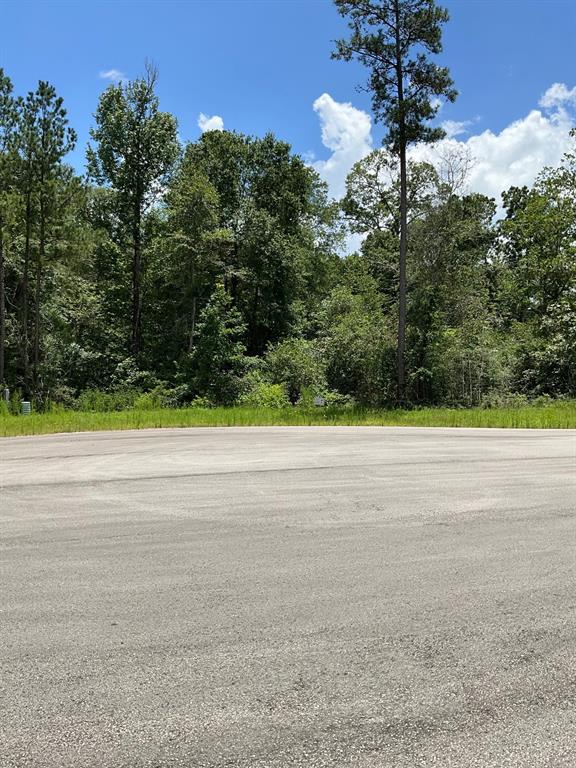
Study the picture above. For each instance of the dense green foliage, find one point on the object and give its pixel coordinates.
(213, 274)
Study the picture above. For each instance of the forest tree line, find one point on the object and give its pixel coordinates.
(212, 273)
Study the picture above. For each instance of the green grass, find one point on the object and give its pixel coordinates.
(556, 415)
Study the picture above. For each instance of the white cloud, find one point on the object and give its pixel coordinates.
(207, 123)
(437, 104)
(347, 132)
(114, 75)
(557, 95)
(514, 156)
(455, 128)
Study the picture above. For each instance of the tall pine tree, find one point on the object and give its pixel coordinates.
(394, 40)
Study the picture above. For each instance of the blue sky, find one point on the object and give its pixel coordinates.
(261, 64)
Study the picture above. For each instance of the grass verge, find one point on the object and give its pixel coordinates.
(553, 416)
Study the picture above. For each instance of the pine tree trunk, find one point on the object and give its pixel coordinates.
(136, 341)
(37, 297)
(402, 288)
(24, 298)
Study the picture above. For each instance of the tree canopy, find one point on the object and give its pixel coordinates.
(214, 273)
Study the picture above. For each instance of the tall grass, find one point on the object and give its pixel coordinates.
(559, 415)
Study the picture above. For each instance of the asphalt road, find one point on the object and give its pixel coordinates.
(278, 597)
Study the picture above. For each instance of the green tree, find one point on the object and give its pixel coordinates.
(54, 139)
(184, 261)
(216, 364)
(273, 240)
(372, 199)
(393, 39)
(136, 148)
(28, 143)
(356, 337)
(537, 246)
(295, 363)
(8, 125)
(82, 342)
(371, 207)
(450, 308)
(44, 138)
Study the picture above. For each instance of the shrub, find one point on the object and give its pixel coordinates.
(358, 346)
(467, 365)
(151, 401)
(332, 398)
(505, 400)
(128, 376)
(295, 364)
(176, 397)
(102, 402)
(264, 395)
(61, 397)
(215, 367)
